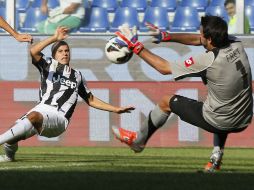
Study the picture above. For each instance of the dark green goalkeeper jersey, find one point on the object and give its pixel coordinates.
(227, 74)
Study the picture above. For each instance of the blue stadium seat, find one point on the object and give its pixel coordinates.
(2, 14)
(51, 3)
(110, 5)
(248, 3)
(140, 5)
(186, 19)
(3, 3)
(157, 16)
(33, 17)
(96, 20)
(217, 11)
(22, 5)
(249, 12)
(170, 5)
(200, 5)
(124, 15)
(86, 4)
(217, 3)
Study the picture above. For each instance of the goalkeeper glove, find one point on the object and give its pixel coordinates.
(158, 35)
(130, 38)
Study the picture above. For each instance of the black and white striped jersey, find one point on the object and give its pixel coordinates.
(61, 85)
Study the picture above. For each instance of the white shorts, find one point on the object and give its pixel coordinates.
(54, 121)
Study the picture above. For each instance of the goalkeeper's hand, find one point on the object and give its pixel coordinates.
(158, 35)
(130, 37)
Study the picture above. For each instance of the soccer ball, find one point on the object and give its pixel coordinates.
(117, 51)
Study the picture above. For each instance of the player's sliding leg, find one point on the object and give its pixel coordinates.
(137, 140)
(215, 162)
(11, 147)
(22, 130)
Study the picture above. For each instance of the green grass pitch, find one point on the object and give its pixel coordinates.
(121, 169)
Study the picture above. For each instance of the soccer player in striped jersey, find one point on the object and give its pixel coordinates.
(19, 37)
(224, 69)
(60, 87)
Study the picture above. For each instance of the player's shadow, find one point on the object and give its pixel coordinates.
(34, 179)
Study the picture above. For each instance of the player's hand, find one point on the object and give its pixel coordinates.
(157, 35)
(125, 109)
(130, 37)
(44, 9)
(61, 33)
(24, 38)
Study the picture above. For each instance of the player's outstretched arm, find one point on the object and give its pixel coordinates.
(61, 33)
(164, 36)
(99, 104)
(155, 61)
(15, 34)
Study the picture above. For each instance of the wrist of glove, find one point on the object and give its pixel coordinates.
(133, 44)
(165, 36)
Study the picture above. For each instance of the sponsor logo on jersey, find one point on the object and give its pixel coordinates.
(64, 81)
(189, 62)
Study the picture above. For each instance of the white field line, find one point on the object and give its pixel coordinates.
(43, 166)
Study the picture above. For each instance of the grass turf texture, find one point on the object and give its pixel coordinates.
(119, 168)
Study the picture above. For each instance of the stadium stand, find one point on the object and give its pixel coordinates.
(22, 5)
(216, 3)
(200, 5)
(156, 15)
(250, 15)
(110, 5)
(96, 20)
(186, 20)
(86, 4)
(2, 14)
(139, 5)
(182, 19)
(248, 3)
(51, 3)
(123, 15)
(170, 5)
(2, 3)
(32, 18)
(217, 11)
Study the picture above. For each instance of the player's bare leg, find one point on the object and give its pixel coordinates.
(156, 119)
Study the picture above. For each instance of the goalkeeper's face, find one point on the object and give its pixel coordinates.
(63, 55)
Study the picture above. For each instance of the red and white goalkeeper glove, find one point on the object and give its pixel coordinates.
(158, 35)
(130, 37)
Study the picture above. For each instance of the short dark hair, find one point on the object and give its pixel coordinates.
(229, 1)
(216, 28)
(56, 45)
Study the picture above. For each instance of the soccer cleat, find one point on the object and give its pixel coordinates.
(127, 137)
(4, 158)
(215, 162)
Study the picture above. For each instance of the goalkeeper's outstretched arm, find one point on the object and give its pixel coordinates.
(185, 38)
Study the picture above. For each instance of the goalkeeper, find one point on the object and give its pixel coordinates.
(224, 69)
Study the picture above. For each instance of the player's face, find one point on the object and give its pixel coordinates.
(231, 10)
(205, 42)
(63, 55)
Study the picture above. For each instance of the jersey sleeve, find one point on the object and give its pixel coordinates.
(192, 67)
(83, 90)
(42, 63)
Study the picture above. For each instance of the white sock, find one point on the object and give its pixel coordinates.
(10, 150)
(216, 149)
(20, 128)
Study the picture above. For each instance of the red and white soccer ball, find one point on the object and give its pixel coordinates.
(117, 52)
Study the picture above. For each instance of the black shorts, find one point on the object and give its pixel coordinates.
(190, 111)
